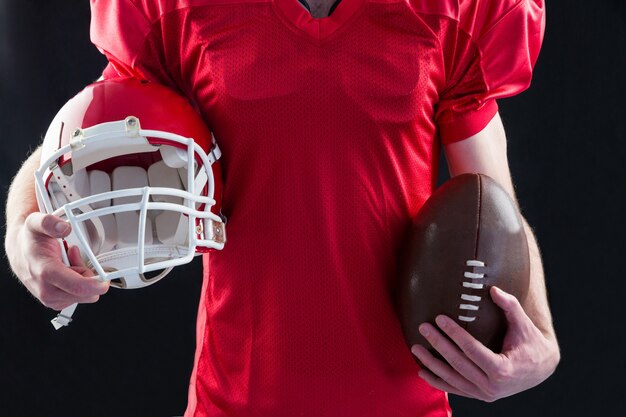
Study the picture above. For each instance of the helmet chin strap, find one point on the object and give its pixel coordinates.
(122, 259)
(70, 193)
(122, 264)
(64, 317)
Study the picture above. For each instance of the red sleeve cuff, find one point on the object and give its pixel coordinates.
(467, 124)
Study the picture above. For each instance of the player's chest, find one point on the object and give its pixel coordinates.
(363, 49)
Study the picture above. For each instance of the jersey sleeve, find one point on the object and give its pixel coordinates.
(126, 32)
(489, 54)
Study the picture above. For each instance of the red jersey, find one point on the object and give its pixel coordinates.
(330, 130)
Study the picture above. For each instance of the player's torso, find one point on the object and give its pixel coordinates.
(329, 145)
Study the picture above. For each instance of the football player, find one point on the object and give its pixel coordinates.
(330, 128)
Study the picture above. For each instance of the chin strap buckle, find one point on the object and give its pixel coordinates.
(64, 318)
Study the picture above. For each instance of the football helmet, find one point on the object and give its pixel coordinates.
(133, 168)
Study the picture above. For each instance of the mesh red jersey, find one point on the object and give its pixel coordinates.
(330, 132)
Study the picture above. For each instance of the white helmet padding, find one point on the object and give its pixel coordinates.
(107, 211)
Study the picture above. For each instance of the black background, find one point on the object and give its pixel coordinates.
(131, 354)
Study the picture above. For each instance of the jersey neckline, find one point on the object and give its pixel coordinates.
(299, 18)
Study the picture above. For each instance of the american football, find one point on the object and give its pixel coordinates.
(467, 237)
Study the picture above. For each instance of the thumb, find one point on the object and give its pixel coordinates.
(47, 224)
(513, 311)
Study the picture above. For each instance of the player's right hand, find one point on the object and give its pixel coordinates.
(36, 259)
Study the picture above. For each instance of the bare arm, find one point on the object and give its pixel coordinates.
(21, 200)
(486, 153)
(530, 352)
(33, 250)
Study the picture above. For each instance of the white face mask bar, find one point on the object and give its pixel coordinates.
(126, 267)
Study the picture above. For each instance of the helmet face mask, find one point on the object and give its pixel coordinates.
(137, 180)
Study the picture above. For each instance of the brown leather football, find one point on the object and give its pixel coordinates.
(466, 238)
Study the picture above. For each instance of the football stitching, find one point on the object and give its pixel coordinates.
(479, 202)
(470, 284)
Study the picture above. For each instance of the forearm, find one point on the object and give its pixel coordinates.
(536, 302)
(21, 200)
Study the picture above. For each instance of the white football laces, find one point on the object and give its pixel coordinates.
(469, 301)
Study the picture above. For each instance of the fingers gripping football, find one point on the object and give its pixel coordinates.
(466, 370)
(38, 264)
(470, 369)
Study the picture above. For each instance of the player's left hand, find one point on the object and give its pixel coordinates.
(472, 370)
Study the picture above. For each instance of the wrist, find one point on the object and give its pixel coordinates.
(11, 243)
